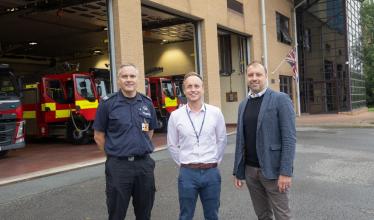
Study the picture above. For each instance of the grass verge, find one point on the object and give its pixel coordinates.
(371, 108)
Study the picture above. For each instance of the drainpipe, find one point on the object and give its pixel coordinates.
(264, 35)
(112, 50)
(297, 58)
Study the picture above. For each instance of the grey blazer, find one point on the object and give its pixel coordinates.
(275, 138)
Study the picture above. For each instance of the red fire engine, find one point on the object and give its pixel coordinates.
(162, 91)
(62, 105)
(11, 122)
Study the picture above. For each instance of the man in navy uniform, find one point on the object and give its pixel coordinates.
(124, 127)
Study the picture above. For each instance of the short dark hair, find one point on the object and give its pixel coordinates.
(192, 74)
(257, 63)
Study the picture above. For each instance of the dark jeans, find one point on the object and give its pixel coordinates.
(205, 183)
(126, 179)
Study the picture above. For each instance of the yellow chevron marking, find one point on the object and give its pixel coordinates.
(85, 104)
(50, 105)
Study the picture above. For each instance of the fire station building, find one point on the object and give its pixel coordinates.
(215, 38)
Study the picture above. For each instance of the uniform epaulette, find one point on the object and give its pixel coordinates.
(109, 96)
(145, 96)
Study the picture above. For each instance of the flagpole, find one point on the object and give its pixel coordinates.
(297, 59)
(278, 66)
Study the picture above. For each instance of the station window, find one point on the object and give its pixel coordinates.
(286, 85)
(310, 89)
(235, 5)
(225, 59)
(307, 40)
(283, 29)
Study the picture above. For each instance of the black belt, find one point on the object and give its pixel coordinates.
(130, 158)
(199, 165)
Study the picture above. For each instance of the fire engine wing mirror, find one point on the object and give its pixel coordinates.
(83, 84)
(99, 91)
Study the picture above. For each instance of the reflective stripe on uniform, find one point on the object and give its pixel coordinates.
(29, 114)
(50, 105)
(85, 104)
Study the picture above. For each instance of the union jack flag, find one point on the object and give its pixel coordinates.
(291, 59)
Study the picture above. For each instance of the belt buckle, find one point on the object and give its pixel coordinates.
(131, 158)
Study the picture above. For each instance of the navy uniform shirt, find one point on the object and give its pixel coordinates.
(121, 119)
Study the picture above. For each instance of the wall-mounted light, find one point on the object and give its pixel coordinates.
(12, 9)
(33, 43)
(97, 52)
(105, 29)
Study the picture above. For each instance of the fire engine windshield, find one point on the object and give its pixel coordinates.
(84, 88)
(7, 86)
(167, 88)
(55, 91)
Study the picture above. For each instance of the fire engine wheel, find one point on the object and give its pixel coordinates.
(162, 124)
(76, 136)
(3, 153)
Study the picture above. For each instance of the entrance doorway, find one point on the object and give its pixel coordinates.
(233, 59)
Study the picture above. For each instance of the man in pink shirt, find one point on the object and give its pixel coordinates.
(196, 141)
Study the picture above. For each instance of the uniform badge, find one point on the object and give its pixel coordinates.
(145, 111)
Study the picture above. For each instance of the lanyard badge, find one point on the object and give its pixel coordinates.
(145, 126)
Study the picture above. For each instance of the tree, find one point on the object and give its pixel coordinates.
(367, 16)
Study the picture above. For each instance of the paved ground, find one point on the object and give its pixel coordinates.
(334, 179)
(47, 156)
(361, 119)
(53, 155)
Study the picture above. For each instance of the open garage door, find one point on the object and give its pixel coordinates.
(170, 51)
(41, 37)
(60, 50)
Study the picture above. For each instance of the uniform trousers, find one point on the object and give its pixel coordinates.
(205, 183)
(126, 179)
(266, 197)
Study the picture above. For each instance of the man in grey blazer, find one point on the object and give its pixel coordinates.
(265, 146)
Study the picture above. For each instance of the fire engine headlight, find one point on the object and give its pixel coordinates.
(20, 140)
(20, 130)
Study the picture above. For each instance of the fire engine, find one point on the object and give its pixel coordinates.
(62, 105)
(11, 122)
(162, 91)
(178, 82)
